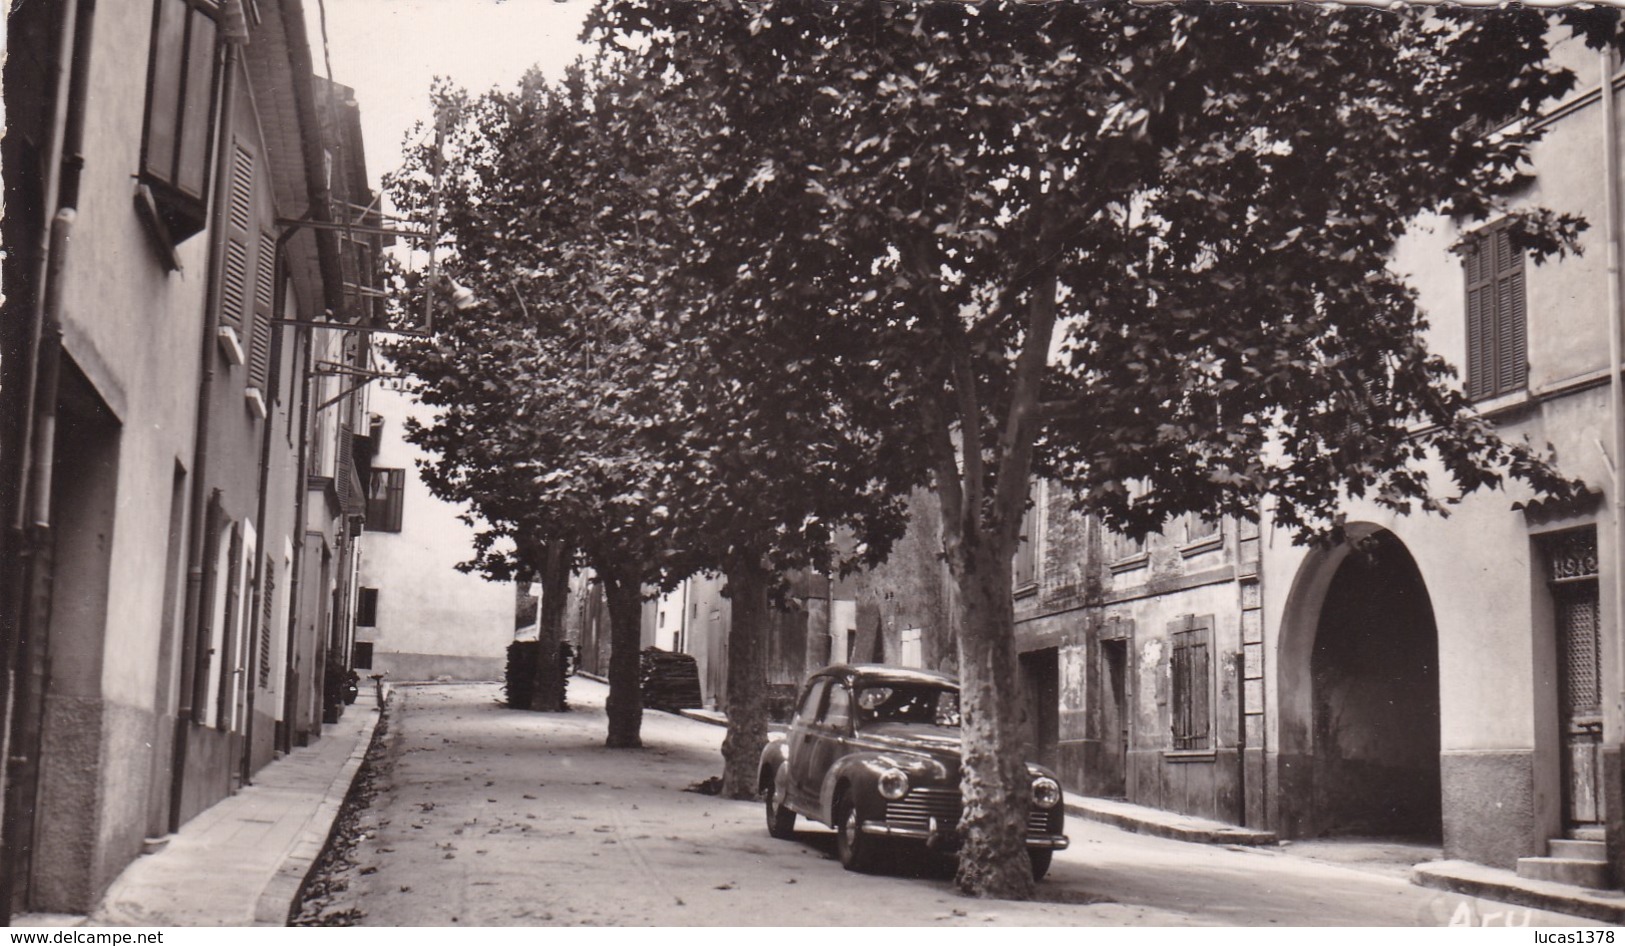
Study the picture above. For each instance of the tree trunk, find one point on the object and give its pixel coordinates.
(547, 690)
(747, 679)
(983, 495)
(997, 789)
(625, 704)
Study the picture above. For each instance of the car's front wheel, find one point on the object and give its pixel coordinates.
(781, 821)
(855, 848)
(1041, 861)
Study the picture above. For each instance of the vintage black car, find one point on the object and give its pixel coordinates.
(874, 752)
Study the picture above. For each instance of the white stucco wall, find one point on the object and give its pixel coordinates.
(432, 620)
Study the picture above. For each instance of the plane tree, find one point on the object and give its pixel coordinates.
(1139, 249)
(578, 408)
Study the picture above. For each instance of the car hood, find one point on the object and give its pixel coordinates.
(940, 743)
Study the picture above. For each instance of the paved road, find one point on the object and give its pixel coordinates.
(493, 817)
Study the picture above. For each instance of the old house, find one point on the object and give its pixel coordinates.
(170, 195)
(1460, 677)
(1452, 680)
(417, 617)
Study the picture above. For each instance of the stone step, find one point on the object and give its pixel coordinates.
(1565, 870)
(1578, 850)
(1590, 832)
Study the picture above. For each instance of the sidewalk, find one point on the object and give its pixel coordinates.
(243, 861)
(1476, 880)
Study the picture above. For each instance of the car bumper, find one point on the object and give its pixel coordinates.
(934, 835)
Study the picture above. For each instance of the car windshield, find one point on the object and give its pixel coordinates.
(908, 703)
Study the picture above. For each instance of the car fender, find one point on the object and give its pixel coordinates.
(860, 771)
(773, 759)
(858, 777)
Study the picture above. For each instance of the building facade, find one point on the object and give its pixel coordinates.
(167, 175)
(1471, 666)
(1452, 680)
(418, 617)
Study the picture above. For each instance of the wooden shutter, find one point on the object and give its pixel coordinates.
(164, 91)
(267, 619)
(192, 154)
(1191, 677)
(1180, 678)
(259, 343)
(1497, 316)
(1479, 324)
(1512, 356)
(226, 695)
(179, 112)
(239, 265)
(1201, 715)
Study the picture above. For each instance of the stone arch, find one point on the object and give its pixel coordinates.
(1358, 694)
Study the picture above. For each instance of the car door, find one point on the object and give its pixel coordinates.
(829, 739)
(798, 740)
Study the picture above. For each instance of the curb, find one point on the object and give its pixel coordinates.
(1173, 830)
(281, 894)
(700, 717)
(1476, 880)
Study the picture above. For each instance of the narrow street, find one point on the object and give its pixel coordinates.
(486, 816)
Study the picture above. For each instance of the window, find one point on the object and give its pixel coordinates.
(384, 500)
(1120, 551)
(809, 700)
(366, 608)
(361, 655)
(911, 652)
(1191, 666)
(1120, 548)
(1497, 316)
(1199, 532)
(838, 711)
(180, 112)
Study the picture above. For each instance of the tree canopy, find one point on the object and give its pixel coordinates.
(780, 261)
(573, 408)
(1139, 249)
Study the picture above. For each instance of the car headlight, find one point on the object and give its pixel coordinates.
(1046, 792)
(893, 784)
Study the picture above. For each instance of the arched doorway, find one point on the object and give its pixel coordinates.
(1360, 695)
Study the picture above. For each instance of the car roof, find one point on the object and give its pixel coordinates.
(880, 673)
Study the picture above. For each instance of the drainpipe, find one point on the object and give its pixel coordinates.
(290, 695)
(31, 524)
(194, 656)
(1616, 386)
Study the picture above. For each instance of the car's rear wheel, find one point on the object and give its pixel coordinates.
(856, 849)
(781, 821)
(1041, 861)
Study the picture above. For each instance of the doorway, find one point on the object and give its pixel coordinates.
(1041, 672)
(1374, 673)
(1112, 778)
(1572, 576)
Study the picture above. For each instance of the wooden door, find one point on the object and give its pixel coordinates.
(1572, 559)
(1581, 704)
(1114, 718)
